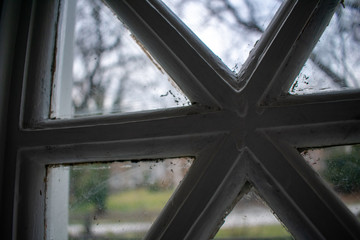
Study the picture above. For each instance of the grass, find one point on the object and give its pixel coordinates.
(133, 205)
(144, 205)
(263, 231)
(138, 200)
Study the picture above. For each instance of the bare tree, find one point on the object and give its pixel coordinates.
(100, 52)
(105, 69)
(112, 72)
(335, 58)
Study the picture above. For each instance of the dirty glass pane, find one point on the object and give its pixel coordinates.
(117, 200)
(334, 63)
(339, 167)
(229, 28)
(251, 218)
(102, 69)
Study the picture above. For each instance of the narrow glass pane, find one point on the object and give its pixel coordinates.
(339, 167)
(251, 218)
(101, 200)
(230, 28)
(334, 63)
(103, 69)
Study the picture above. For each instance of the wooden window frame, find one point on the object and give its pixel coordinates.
(241, 129)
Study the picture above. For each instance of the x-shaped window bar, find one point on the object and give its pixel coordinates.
(257, 126)
(243, 128)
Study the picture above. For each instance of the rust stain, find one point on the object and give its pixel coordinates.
(147, 53)
(54, 62)
(157, 65)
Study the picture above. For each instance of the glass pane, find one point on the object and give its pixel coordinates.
(340, 168)
(251, 218)
(102, 69)
(229, 28)
(122, 199)
(334, 63)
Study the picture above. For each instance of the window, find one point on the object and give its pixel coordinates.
(243, 129)
(338, 167)
(121, 198)
(103, 69)
(334, 55)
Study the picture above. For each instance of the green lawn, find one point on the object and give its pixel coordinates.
(139, 199)
(132, 205)
(144, 205)
(263, 231)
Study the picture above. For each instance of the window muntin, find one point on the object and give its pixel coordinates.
(111, 71)
(333, 64)
(107, 199)
(229, 28)
(72, 136)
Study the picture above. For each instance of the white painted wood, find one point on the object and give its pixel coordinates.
(198, 80)
(235, 135)
(150, 128)
(57, 203)
(63, 82)
(58, 179)
(299, 52)
(282, 39)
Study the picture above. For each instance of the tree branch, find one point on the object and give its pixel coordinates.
(341, 82)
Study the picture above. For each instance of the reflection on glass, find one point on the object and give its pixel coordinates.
(117, 199)
(102, 69)
(340, 168)
(229, 28)
(334, 63)
(251, 218)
